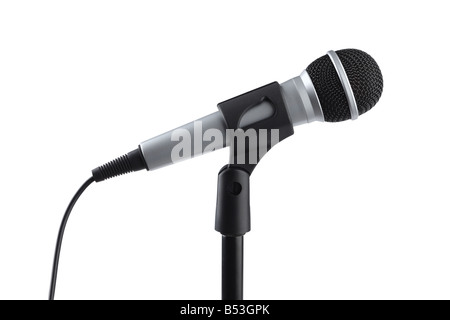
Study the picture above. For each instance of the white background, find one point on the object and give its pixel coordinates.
(353, 210)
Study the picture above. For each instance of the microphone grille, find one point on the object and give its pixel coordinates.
(363, 74)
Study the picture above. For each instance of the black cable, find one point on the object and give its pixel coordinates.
(61, 234)
(132, 161)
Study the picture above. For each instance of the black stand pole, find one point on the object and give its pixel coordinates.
(232, 267)
(233, 221)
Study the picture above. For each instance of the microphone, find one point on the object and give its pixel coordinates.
(338, 86)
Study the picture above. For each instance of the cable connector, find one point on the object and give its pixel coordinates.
(132, 161)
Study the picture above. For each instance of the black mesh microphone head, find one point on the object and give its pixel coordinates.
(363, 74)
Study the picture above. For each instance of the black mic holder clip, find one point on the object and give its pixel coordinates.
(233, 190)
(233, 203)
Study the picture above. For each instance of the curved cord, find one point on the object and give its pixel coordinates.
(61, 234)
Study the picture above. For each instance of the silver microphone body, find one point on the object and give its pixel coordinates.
(301, 102)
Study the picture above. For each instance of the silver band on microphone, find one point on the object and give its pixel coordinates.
(301, 100)
(345, 84)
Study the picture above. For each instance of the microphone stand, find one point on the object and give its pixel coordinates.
(233, 221)
(233, 188)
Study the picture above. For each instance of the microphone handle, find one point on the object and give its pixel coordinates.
(301, 102)
(158, 151)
